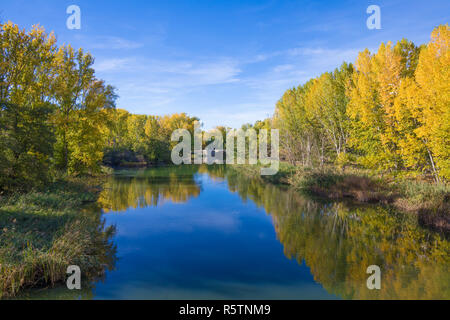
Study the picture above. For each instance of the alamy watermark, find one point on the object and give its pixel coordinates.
(235, 151)
(374, 21)
(374, 281)
(73, 22)
(74, 280)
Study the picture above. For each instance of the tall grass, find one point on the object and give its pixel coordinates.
(429, 200)
(331, 183)
(43, 232)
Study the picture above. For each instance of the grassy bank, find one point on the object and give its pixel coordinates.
(431, 202)
(45, 231)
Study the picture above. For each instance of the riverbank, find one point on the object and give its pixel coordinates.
(429, 201)
(43, 232)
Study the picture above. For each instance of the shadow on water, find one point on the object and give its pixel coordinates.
(336, 241)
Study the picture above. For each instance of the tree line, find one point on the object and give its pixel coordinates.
(57, 116)
(390, 110)
(143, 139)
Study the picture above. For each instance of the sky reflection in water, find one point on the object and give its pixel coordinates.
(194, 239)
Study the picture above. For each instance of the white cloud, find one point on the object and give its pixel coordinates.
(194, 73)
(113, 65)
(221, 90)
(115, 43)
(283, 67)
(161, 76)
(321, 57)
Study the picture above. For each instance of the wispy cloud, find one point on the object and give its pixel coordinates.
(169, 85)
(113, 64)
(325, 56)
(172, 74)
(109, 42)
(283, 68)
(116, 43)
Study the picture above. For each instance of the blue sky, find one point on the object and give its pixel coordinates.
(226, 62)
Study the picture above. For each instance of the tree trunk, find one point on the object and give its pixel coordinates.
(436, 176)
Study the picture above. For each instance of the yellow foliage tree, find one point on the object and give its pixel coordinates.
(372, 94)
(433, 100)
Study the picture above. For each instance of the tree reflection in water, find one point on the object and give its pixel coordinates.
(143, 188)
(337, 241)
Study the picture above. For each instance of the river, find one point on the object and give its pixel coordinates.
(206, 232)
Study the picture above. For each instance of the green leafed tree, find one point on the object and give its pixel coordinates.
(26, 134)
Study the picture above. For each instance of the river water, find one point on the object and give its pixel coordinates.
(206, 232)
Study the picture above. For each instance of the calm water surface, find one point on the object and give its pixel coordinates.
(207, 233)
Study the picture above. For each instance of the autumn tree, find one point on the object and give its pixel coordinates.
(326, 102)
(296, 129)
(432, 107)
(79, 121)
(26, 135)
(372, 93)
(421, 109)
